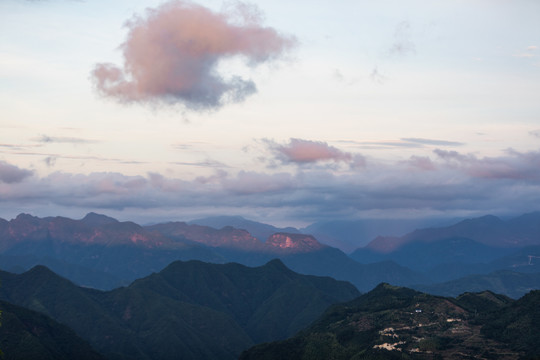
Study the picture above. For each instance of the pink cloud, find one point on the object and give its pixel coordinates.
(171, 55)
(306, 151)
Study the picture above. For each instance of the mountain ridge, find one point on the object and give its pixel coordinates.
(197, 309)
(392, 322)
(490, 230)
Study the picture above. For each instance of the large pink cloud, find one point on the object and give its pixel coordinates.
(172, 53)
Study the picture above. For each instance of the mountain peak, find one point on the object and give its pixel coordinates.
(26, 217)
(486, 219)
(93, 219)
(385, 287)
(41, 269)
(276, 264)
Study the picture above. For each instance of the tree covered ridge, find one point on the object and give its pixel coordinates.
(394, 322)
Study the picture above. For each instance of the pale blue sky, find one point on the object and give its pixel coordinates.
(426, 109)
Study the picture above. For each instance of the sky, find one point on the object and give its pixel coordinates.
(282, 112)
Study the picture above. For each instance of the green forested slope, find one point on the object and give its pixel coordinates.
(26, 335)
(399, 323)
(190, 310)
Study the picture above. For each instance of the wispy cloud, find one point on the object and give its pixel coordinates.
(535, 133)
(171, 56)
(530, 52)
(402, 45)
(436, 142)
(50, 161)
(65, 140)
(377, 77)
(54, 156)
(207, 163)
(402, 143)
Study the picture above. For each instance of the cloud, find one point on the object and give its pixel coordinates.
(452, 183)
(338, 75)
(247, 183)
(301, 151)
(172, 54)
(60, 139)
(207, 163)
(514, 166)
(433, 142)
(377, 77)
(10, 174)
(530, 52)
(50, 161)
(402, 143)
(421, 162)
(402, 45)
(535, 133)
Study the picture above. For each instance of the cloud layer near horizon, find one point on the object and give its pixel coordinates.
(449, 183)
(10, 174)
(172, 55)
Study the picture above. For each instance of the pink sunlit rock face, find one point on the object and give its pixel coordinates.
(294, 242)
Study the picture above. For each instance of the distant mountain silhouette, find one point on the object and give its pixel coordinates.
(189, 310)
(421, 256)
(348, 235)
(475, 246)
(488, 230)
(506, 282)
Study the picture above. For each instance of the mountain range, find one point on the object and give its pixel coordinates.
(153, 292)
(101, 252)
(115, 253)
(489, 230)
(191, 310)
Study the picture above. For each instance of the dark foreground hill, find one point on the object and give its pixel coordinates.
(399, 323)
(189, 310)
(26, 334)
